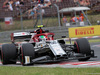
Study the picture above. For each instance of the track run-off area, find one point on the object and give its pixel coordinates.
(93, 62)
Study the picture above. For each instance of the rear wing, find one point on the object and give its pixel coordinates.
(20, 35)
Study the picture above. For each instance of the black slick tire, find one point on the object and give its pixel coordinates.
(27, 50)
(82, 46)
(8, 54)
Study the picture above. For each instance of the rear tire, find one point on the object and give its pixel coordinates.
(8, 54)
(27, 50)
(82, 46)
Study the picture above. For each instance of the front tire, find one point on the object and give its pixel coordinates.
(82, 46)
(27, 50)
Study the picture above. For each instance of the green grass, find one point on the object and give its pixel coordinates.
(94, 41)
(5, 70)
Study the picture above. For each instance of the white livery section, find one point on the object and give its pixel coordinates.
(21, 34)
(27, 59)
(56, 48)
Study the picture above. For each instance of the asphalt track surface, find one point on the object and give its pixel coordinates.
(93, 62)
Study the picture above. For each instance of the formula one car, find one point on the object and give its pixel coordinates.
(42, 48)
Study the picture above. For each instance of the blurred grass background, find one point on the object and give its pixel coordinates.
(47, 22)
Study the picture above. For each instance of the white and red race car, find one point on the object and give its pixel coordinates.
(42, 48)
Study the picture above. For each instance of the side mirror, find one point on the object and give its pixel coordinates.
(63, 36)
(61, 41)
